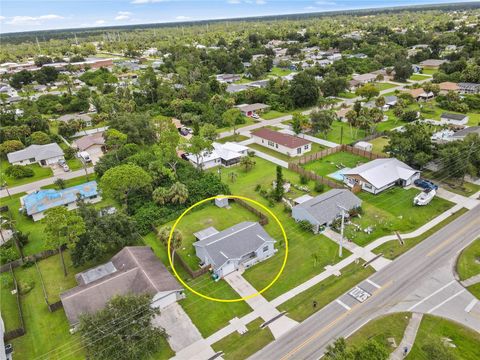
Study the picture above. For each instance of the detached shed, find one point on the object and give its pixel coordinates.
(363, 145)
(221, 202)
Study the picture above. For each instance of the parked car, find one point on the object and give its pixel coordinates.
(65, 167)
(255, 116)
(84, 156)
(8, 349)
(61, 162)
(425, 184)
(184, 131)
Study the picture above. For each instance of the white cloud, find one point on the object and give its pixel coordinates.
(181, 17)
(100, 22)
(123, 15)
(234, 2)
(32, 20)
(137, 2)
(260, 2)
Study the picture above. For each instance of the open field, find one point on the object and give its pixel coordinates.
(393, 249)
(248, 121)
(350, 134)
(390, 211)
(468, 263)
(379, 144)
(236, 346)
(272, 114)
(232, 138)
(384, 86)
(331, 163)
(382, 328)
(39, 173)
(433, 330)
(9, 307)
(419, 77)
(301, 306)
(279, 71)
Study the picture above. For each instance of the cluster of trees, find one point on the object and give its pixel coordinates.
(45, 75)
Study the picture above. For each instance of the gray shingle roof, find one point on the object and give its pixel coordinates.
(325, 207)
(38, 152)
(453, 116)
(136, 271)
(234, 242)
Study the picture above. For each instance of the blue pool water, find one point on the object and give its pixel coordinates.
(338, 175)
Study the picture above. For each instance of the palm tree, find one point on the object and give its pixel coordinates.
(160, 195)
(247, 162)
(178, 193)
(233, 176)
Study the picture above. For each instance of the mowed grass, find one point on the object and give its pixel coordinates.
(334, 162)
(379, 144)
(248, 121)
(301, 307)
(381, 86)
(392, 210)
(381, 329)
(454, 185)
(232, 138)
(208, 316)
(419, 77)
(279, 71)
(237, 347)
(350, 134)
(468, 263)
(393, 249)
(300, 266)
(8, 304)
(435, 329)
(38, 171)
(206, 216)
(270, 151)
(272, 114)
(475, 290)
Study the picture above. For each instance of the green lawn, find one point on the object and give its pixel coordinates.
(301, 307)
(382, 328)
(204, 217)
(280, 72)
(239, 347)
(300, 266)
(392, 122)
(350, 134)
(9, 307)
(468, 263)
(267, 150)
(384, 86)
(331, 163)
(475, 290)
(392, 210)
(419, 77)
(74, 164)
(379, 144)
(347, 95)
(393, 249)
(232, 138)
(208, 316)
(248, 121)
(272, 114)
(39, 173)
(435, 329)
(429, 71)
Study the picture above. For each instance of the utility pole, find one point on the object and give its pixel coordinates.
(5, 185)
(340, 251)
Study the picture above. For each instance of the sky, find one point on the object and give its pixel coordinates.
(28, 15)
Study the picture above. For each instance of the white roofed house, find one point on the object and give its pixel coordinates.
(239, 246)
(454, 119)
(43, 155)
(379, 175)
(365, 78)
(221, 155)
(250, 109)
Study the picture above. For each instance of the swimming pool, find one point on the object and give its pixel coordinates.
(338, 175)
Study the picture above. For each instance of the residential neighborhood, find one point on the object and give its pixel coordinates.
(240, 180)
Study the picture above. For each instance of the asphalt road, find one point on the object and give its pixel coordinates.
(401, 283)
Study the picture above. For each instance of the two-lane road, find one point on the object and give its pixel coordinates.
(393, 288)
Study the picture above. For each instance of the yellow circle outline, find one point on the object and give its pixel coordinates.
(170, 260)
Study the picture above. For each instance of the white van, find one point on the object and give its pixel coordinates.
(85, 156)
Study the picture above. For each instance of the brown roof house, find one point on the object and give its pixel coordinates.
(420, 94)
(94, 144)
(447, 86)
(283, 143)
(134, 270)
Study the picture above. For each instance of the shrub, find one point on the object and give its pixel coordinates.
(303, 180)
(319, 187)
(305, 225)
(69, 153)
(7, 254)
(25, 286)
(19, 172)
(258, 188)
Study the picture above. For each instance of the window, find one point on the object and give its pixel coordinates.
(271, 143)
(306, 147)
(367, 186)
(265, 248)
(276, 145)
(31, 160)
(299, 150)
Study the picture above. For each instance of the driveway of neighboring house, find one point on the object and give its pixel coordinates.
(178, 326)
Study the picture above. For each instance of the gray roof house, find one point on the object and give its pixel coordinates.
(85, 118)
(380, 174)
(42, 154)
(461, 134)
(133, 270)
(323, 209)
(454, 119)
(239, 246)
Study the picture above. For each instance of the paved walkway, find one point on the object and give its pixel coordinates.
(260, 305)
(471, 281)
(467, 202)
(44, 182)
(408, 337)
(270, 158)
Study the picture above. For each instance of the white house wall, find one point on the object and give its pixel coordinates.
(282, 149)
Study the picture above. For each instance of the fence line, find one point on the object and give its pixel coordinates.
(51, 306)
(19, 262)
(15, 333)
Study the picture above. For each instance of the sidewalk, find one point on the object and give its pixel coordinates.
(408, 337)
(471, 281)
(44, 182)
(260, 305)
(270, 158)
(467, 202)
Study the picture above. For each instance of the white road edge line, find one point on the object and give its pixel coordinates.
(445, 301)
(343, 304)
(429, 296)
(471, 305)
(358, 328)
(372, 283)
